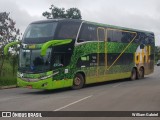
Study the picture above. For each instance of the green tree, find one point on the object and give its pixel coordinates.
(8, 33)
(55, 13)
(73, 13)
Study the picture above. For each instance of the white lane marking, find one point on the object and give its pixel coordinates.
(73, 103)
(117, 85)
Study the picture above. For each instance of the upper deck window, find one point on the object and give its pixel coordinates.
(40, 30)
(88, 33)
(38, 33)
(68, 30)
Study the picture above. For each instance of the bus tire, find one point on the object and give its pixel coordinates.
(78, 81)
(141, 73)
(134, 74)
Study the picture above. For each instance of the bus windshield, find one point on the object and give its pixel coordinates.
(40, 30)
(31, 61)
(38, 33)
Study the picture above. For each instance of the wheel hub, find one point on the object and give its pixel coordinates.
(77, 81)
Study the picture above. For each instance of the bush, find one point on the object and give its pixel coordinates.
(7, 77)
(8, 80)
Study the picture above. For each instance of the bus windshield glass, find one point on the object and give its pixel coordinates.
(32, 61)
(41, 30)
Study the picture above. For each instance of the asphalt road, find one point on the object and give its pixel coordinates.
(122, 95)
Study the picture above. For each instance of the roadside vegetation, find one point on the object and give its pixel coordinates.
(8, 64)
(8, 74)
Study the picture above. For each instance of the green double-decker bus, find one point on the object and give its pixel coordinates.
(62, 53)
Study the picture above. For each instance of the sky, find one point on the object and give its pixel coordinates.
(137, 14)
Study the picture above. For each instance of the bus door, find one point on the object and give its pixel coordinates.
(101, 51)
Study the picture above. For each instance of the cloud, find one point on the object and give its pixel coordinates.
(21, 17)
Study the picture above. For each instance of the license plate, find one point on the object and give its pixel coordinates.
(29, 86)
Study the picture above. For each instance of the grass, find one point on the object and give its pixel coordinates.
(8, 80)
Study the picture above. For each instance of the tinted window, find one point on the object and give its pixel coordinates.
(119, 36)
(68, 30)
(61, 59)
(127, 37)
(101, 59)
(88, 33)
(40, 30)
(38, 33)
(101, 34)
(114, 35)
(109, 35)
(124, 59)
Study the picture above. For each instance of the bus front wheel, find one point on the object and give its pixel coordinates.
(134, 74)
(78, 81)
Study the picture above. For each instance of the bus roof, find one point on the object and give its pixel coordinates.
(94, 23)
(56, 20)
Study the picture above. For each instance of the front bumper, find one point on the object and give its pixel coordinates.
(42, 84)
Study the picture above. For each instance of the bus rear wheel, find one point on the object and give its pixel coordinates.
(141, 73)
(134, 74)
(78, 81)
